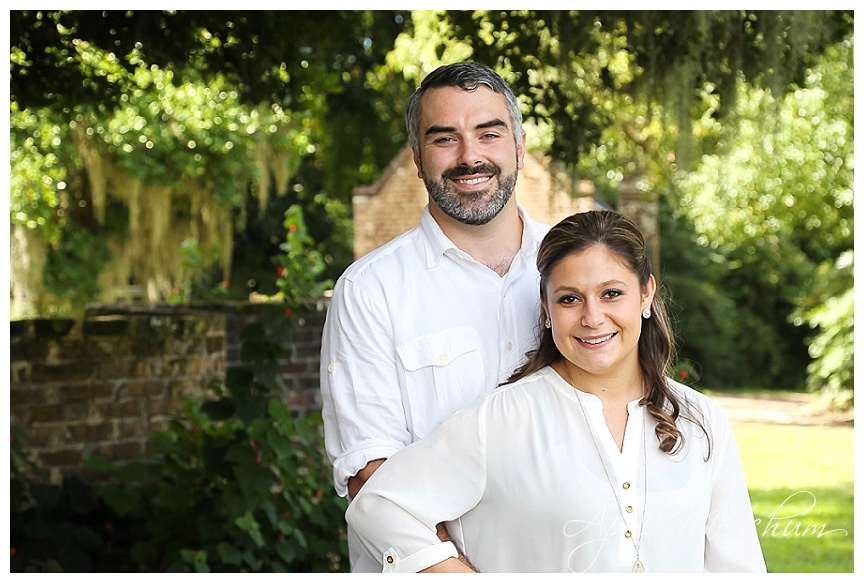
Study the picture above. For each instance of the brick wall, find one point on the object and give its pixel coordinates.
(102, 384)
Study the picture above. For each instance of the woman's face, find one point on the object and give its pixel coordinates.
(595, 304)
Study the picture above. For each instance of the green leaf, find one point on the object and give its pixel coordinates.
(218, 410)
(163, 440)
(229, 554)
(123, 501)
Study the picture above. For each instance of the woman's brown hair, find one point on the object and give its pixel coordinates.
(619, 235)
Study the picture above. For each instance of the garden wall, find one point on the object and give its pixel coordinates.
(102, 384)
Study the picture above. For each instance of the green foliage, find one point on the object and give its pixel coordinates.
(830, 310)
(300, 265)
(72, 270)
(200, 268)
(569, 65)
(772, 206)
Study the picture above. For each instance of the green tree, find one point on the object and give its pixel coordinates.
(210, 105)
(776, 203)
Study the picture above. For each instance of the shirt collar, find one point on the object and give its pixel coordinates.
(437, 243)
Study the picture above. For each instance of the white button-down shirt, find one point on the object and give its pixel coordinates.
(415, 331)
(521, 472)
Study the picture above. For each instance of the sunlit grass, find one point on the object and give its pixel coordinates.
(801, 481)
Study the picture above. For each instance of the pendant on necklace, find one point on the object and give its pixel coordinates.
(638, 567)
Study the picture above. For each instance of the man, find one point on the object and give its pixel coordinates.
(420, 327)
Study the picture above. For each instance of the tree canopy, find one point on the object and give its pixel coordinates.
(738, 122)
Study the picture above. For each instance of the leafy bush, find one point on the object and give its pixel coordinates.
(238, 484)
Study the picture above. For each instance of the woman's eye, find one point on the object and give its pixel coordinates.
(612, 293)
(567, 299)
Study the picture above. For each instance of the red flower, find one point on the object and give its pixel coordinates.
(292, 228)
(684, 374)
(287, 311)
(224, 283)
(280, 271)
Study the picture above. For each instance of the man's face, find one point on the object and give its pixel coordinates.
(469, 158)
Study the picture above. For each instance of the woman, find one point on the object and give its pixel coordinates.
(589, 458)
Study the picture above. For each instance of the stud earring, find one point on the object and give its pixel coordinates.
(646, 313)
(548, 323)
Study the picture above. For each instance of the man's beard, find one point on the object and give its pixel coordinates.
(471, 208)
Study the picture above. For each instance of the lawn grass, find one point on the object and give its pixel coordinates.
(801, 481)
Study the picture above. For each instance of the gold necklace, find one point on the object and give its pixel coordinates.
(638, 565)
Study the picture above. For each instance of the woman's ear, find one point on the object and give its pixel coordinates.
(649, 291)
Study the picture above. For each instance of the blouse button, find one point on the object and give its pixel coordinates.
(509, 346)
(626, 485)
(390, 559)
(442, 358)
(627, 534)
(629, 509)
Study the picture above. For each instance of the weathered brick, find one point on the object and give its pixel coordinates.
(116, 409)
(112, 326)
(71, 371)
(48, 414)
(114, 369)
(139, 388)
(127, 430)
(89, 432)
(30, 396)
(215, 344)
(82, 392)
(65, 457)
(75, 411)
(128, 450)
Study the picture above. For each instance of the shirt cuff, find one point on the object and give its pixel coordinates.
(422, 559)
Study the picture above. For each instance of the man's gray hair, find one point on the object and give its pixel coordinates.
(467, 76)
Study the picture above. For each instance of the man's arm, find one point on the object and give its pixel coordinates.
(451, 566)
(356, 481)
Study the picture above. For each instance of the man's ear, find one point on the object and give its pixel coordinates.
(418, 164)
(520, 153)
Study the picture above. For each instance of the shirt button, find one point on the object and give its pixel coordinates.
(390, 559)
(442, 358)
(629, 509)
(509, 346)
(628, 534)
(626, 485)
(332, 367)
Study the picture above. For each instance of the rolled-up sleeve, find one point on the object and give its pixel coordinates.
(364, 417)
(434, 480)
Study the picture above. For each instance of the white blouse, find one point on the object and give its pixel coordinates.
(520, 476)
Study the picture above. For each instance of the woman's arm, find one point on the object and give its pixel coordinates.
(439, 478)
